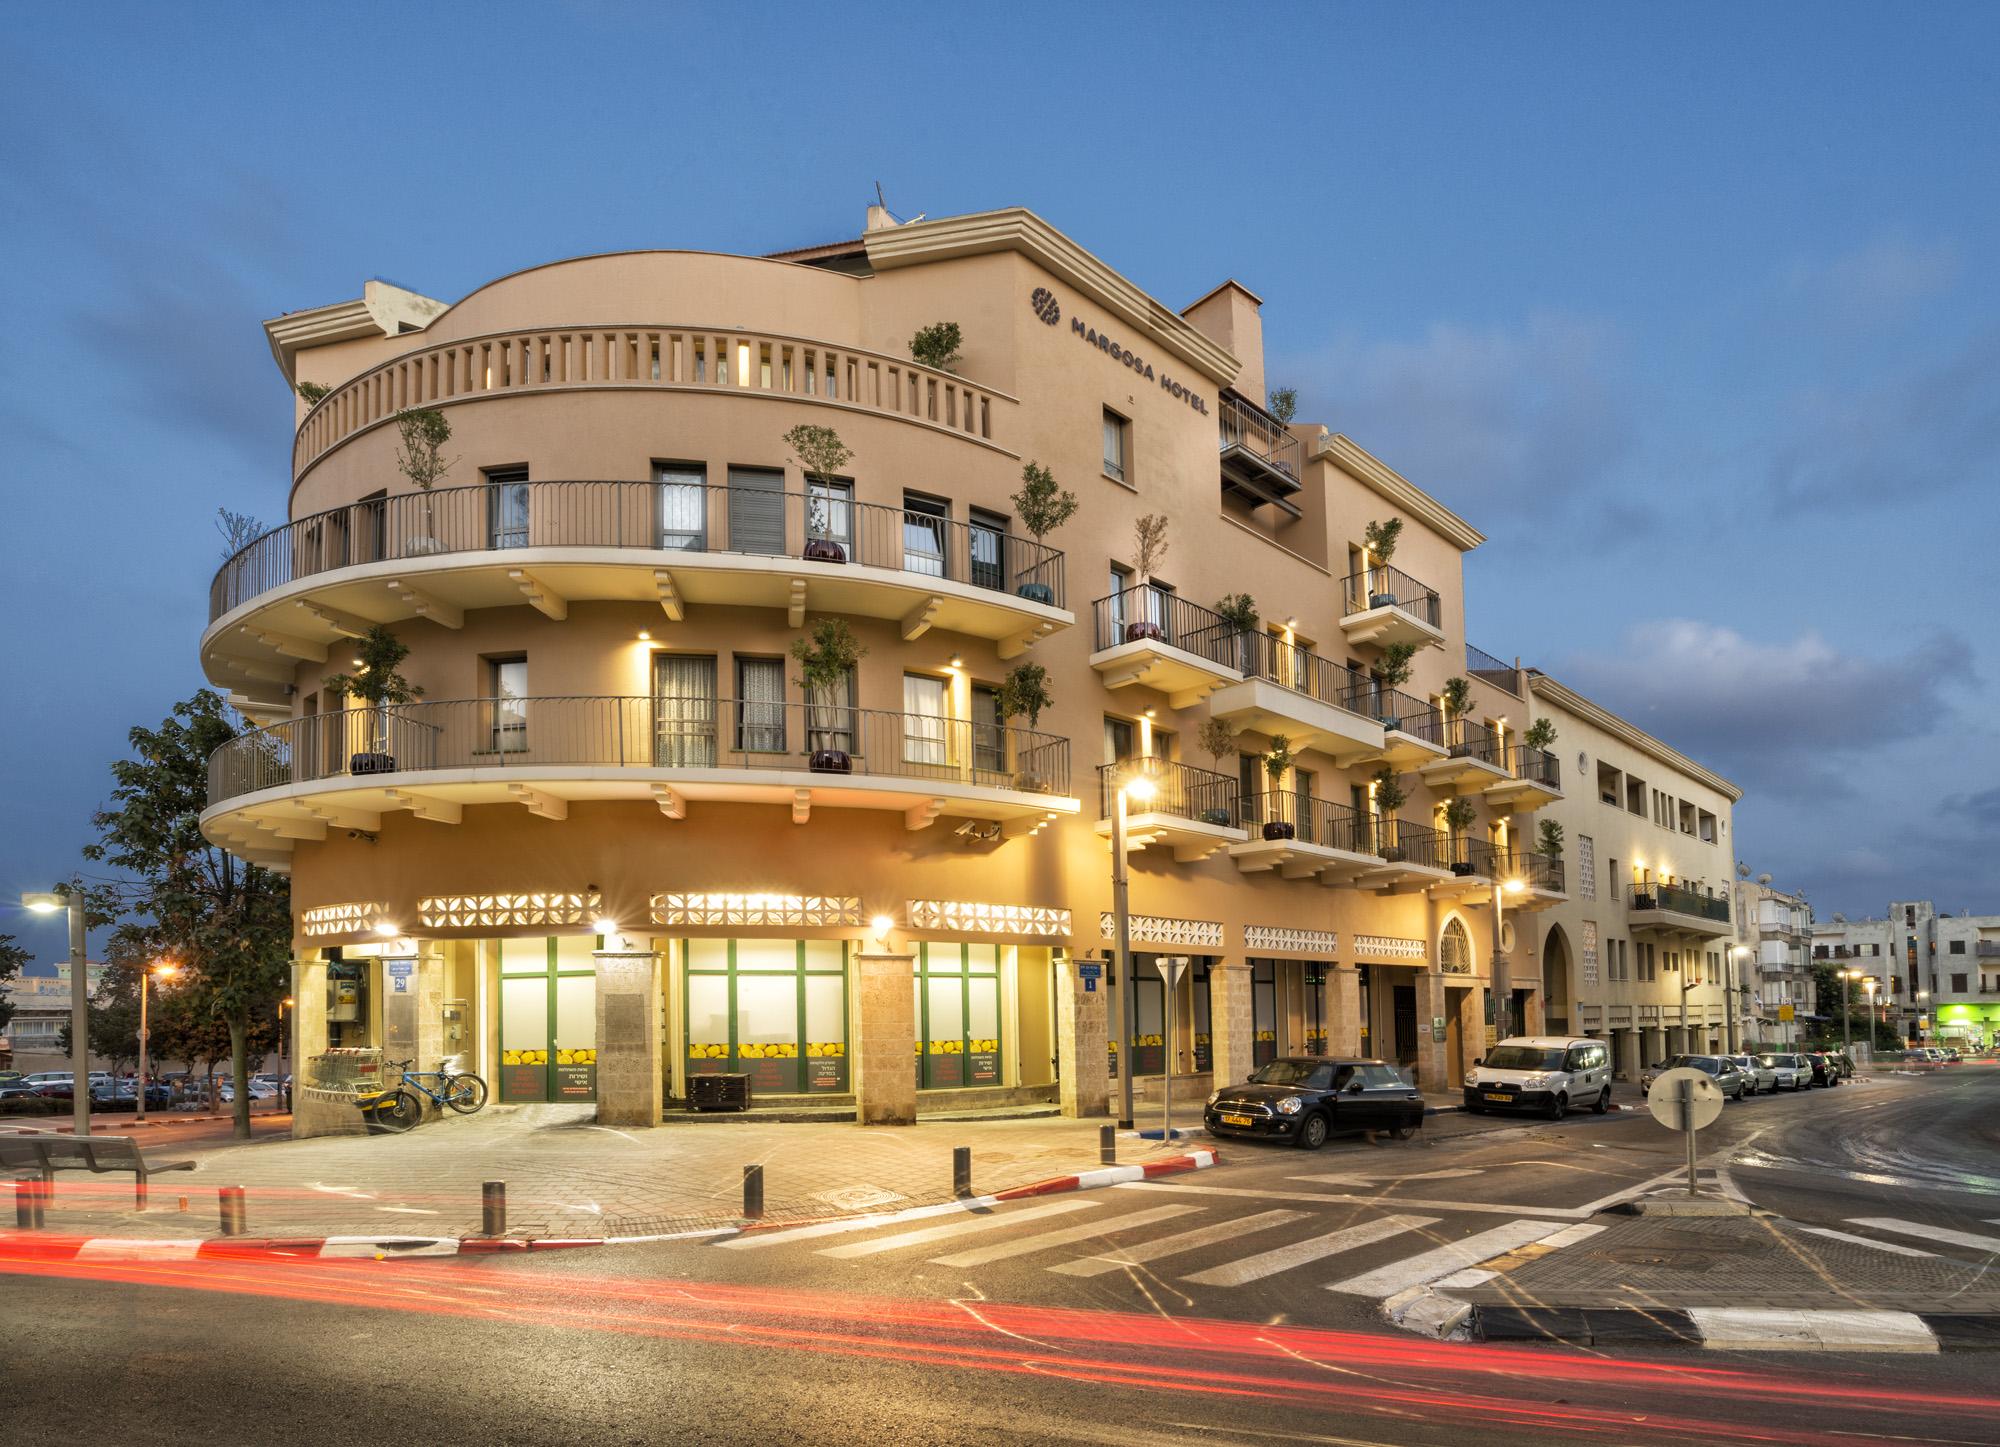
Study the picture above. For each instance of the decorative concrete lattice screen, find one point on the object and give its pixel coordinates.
(757, 909)
(469, 911)
(1586, 867)
(1589, 951)
(360, 917)
(1387, 947)
(966, 917)
(1271, 939)
(1162, 929)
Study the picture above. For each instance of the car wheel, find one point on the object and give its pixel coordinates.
(1402, 1132)
(1312, 1133)
(1559, 1107)
(1603, 1101)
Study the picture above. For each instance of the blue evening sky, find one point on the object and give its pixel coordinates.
(1692, 308)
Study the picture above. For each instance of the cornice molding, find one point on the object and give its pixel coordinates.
(1020, 230)
(380, 311)
(1375, 474)
(1568, 698)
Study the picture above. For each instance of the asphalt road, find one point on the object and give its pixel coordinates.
(1240, 1305)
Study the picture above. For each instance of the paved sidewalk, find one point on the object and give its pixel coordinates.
(569, 1178)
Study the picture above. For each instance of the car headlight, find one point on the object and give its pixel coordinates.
(1214, 1096)
(1472, 1077)
(1290, 1105)
(1534, 1082)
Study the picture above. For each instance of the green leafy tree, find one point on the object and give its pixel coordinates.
(1043, 505)
(1552, 839)
(1024, 692)
(313, 392)
(818, 450)
(1380, 539)
(1540, 734)
(937, 346)
(376, 681)
(1284, 404)
(227, 922)
(1394, 665)
(1217, 740)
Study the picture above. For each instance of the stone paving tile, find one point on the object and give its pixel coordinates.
(567, 1176)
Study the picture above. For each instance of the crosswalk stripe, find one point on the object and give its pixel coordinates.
(1328, 1198)
(1851, 1239)
(1044, 1240)
(845, 1226)
(1270, 1263)
(1172, 1245)
(1930, 1233)
(963, 1227)
(1428, 1266)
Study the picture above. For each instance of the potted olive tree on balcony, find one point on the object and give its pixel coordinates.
(1458, 817)
(378, 684)
(1238, 611)
(1276, 761)
(1388, 797)
(1219, 743)
(1043, 506)
(820, 455)
(1392, 671)
(827, 657)
(937, 346)
(1149, 545)
(1024, 692)
(423, 433)
(1378, 544)
(1551, 844)
(1456, 695)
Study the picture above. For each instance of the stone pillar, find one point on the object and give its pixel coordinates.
(1432, 1072)
(885, 1039)
(306, 1020)
(1231, 1023)
(1471, 1033)
(1082, 1018)
(1626, 1064)
(631, 1083)
(1343, 1010)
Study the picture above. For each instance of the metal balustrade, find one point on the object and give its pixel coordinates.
(1537, 871)
(1182, 790)
(1483, 665)
(1382, 586)
(1144, 612)
(822, 525)
(1314, 820)
(1258, 654)
(1538, 766)
(1399, 841)
(1393, 709)
(1469, 739)
(524, 734)
(1681, 900)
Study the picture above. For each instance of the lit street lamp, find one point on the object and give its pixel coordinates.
(1846, 995)
(79, 998)
(285, 1050)
(1138, 787)
(165, 970)
(1730, 1011)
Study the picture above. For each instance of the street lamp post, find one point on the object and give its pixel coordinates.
(1730, 1013)
(79, 998)
(285, 1053)
(1502, 980)
(163, 971)
(1846, 1021)
(1140, 788)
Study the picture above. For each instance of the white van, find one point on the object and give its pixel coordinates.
(1548, 1073)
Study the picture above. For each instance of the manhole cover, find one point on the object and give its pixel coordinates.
(1677, 1258)
(858, 1198)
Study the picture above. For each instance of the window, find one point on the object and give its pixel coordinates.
(507, 694)
(989, 739)
(507, 507)
(1610, 784)
(1958, 984)
(757, 511)
(760, 705)
(923, 535)
(683, 507)
(1121, 605)
(830, 513)
(1302, 795)
(1454, 949)
(1119, 740)
(1635, 797)
(988, 543)
(924, 718)
(1117, 433)
(683, 711)
(1957, 947)
(1586, 867)
(1705, 827)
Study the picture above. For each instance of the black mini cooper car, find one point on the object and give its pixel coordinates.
(1304, 1098)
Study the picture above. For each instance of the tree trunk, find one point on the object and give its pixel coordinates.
(239, 1071)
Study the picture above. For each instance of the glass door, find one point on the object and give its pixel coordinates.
(958, 1015)
(683, 711)
(757, 511)
(775, 1010)
(924, 714)
(1149, 1009)
(548, 1019)
(1263, 1012)
(683, 509)
(923, 536)
(988, 542)
(507, 509)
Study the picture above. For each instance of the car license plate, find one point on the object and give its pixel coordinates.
(1236, 1120)
(1492, 1095)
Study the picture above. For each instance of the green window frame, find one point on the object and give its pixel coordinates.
(560, 1073)
(955, 1060)
(803, 1067)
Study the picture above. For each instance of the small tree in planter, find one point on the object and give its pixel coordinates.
(1283, 404)
(820, 455)
(1393, 671)
(380, 686)
(937, 346)
(826, 659)
(1239, 612)
(1218, 741)
(1276, 761)
(1025, 691)
(1456, 695)
(1042, 506)
(1540, 734)
(1458, 817)
(423, 433)
(312, 392)
(1149, 544)
(1551, 844)
(1378, 542)
(1388, 797)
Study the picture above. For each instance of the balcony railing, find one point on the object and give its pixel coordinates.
(1483, 665)
(1680, 900)
(1538, 766)
(1181, 790)
(1382, 586)
(1398, 841)
(1314, 820)
(1987, 950)
(637, 733)
(1394, 709)
(666, 516)
(1260, 458)
(1140, 613)
(1537, 871)
(1269, 657)
(638, 356)
(1469, 739)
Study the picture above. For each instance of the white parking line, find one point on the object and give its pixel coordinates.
(1429, 1266)
(1889, 1246)
(964, 1227)
(1201, 1236)
(1270, 1263)
(1044, 1240)
(1929, 1233)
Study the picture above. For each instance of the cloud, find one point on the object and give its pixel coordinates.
(1778, 718)
(1487, 420)
(1879, 283)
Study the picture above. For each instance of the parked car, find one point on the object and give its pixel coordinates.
(1304, 1099)
(1763, 1078)
(24, 1100)
(1546, 1073)
(1824, 1071)
(1792, 1072)
(1731, 1080)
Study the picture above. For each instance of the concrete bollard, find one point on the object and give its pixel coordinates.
(753, 1193)
(230, 1200)
(493, 1208)
(1107, 1145)
(961, 1171)
(28, 1202)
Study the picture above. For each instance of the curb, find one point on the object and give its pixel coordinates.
(41, 1247)
(21, 1126)
(1740, 1328)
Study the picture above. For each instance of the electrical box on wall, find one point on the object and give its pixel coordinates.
(454, 1022)
(346, 994)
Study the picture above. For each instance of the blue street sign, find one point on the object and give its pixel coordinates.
(1088, 969)
(1089, 986)
(402, 967)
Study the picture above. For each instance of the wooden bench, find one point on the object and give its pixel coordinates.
(98, 1154)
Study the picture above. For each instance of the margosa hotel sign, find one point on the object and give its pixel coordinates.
(1044, 304)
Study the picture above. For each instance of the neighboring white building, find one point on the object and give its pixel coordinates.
(1774, 977)
(1938, 974)
(41, 1010)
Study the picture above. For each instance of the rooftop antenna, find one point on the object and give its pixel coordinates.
(883, 202)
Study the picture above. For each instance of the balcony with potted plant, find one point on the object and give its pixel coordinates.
(1151, 638)
(1289, 689)
(1474, 753)
(1534, 774)
(1383, 605)
(1191, 811)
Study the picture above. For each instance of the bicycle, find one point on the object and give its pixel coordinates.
(397, 1109)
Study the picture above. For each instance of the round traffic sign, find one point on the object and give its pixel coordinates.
(1671, 1104)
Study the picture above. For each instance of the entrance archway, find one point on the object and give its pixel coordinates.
(1556, 982)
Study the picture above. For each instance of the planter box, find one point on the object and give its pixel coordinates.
(830, 761)
(1036, 593)
(1461, 870)
(1215, 816)
(371, 764)
(1135, 631)
(824, 550)
(1279, 829)
(1381, 600)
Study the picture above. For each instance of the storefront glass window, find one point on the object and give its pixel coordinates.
(775, 1010)
(548, 1018)
(958, 1015)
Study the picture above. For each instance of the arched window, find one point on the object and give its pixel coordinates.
(1455, 949)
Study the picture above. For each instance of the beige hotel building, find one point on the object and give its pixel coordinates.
(617, 844)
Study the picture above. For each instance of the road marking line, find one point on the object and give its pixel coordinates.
(1270, 1263)
(1357, 1179)
(1428, 1266)
(1890, 1246)
(1173, 1245)
(850, 1223)
(1486, 1271)
(1567, 1213)
(1044, 1240)
(1759, 1329)
(137, 1249)
(965, 1227)
(1929, 1233)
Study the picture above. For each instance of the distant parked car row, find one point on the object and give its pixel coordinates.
(1741, 1076)
(52, 1092)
